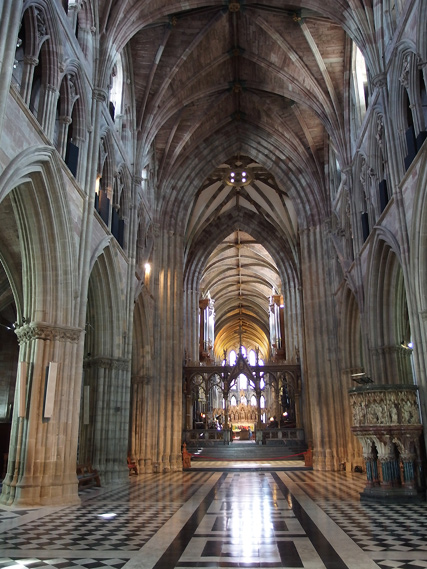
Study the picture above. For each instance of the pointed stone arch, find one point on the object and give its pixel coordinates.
(35, 184)
(212, 235)
(48, 328)
(387, 308)
(418, 237)
(106, 300)
(72, 115)
(350, 324)
(104, 428)
(404, 111)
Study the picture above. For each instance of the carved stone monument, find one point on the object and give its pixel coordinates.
(386, 421)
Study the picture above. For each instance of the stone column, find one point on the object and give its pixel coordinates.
(10, 16)
(258, 410)
(392, 362)
(298, 423)
(89, 169)
(191, 324)
(324, 400)
(369, 473)
(30, 63)
(389, 467)
(107, 445)
(64, 123)
(46, 112)
(142, 426)
(408, 470)
(277, 405)
(168, 342)
(188, 406)
(73, 10)
(292, 322)
(43, 448)
(370, 462)
(386, 470)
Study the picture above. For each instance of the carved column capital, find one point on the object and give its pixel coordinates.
(31, 60)
(100, 95)
(379, 80)
(44, 331)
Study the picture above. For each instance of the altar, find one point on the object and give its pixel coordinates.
(244, 431)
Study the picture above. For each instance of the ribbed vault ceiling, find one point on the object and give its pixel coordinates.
(240, 274)
(220, 85)
(219, 81)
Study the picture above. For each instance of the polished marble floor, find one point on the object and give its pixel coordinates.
(255, 516)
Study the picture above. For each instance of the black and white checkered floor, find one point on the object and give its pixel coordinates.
(228, 519)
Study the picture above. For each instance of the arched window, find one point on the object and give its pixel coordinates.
(243, 381)
(233, 401)
(252, 358)
(105, 181)
(232, 358)
(334, 171)
(18, 64)
(412, 109)
(262, 402)
(360, 86)
(116, 88)
(253, 401)
(243, 400)
(117, 212)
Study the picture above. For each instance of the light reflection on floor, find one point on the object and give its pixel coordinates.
(235, 518)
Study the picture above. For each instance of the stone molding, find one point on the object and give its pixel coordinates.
(382, 350)
(106, 363)
(48, 332)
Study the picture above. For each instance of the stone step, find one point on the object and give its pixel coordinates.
(250, 451)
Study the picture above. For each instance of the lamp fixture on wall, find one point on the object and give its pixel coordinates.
(361, 378)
